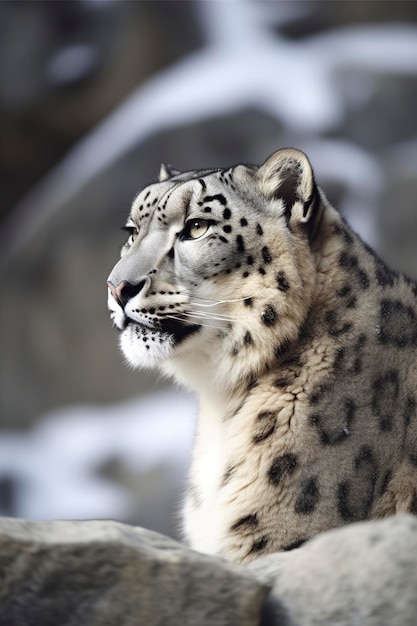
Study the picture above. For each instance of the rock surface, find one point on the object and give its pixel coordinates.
(364, 574)
(109, 574)
(106, 573)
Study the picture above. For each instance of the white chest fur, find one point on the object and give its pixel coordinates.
(203, 519)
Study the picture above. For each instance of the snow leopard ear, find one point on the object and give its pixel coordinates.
(287, 176)
(167, 171)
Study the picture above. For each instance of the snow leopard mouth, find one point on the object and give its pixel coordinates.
(168, 327)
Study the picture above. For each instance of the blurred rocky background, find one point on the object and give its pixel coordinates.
(94, 94)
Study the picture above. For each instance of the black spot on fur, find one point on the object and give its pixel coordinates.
(386, 390)
(249, 260)
(227, 214)
(259, 230)
(282, 466)
(364, 456)
(218, 197)
(398, 324)
(223, 239)
(347, 260)
(248, 339)
(266, 255)
(227, 228)
(308, 498)
(259, 545)
(261, 271)
(247, 522)
(269, 315)
(248, 302)
(240, 243)
(264, 426)
(355, 497)
(282, 281)
(243, 221)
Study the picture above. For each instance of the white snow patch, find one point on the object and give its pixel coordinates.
(56, 463)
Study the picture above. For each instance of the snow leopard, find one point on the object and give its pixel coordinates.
(245, 285)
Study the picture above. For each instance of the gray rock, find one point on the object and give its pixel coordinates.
(359, 575)
(100, 573)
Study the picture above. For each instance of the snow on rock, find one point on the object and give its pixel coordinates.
(55, 465)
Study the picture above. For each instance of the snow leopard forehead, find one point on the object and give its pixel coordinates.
(206, 193)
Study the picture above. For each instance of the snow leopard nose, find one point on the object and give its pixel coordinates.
(124, 291)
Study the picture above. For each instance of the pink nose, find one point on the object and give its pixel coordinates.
(123, 291)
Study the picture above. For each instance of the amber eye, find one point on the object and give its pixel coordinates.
(195, 228)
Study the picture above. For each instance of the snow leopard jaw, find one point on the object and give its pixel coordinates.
(175, 330)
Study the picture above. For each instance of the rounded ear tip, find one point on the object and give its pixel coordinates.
(288, 176)
(286, 158)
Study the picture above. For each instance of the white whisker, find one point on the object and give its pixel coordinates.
(211, 303)
(210, 316)
(200, 321)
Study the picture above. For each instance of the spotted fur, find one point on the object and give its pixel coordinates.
(247, 286)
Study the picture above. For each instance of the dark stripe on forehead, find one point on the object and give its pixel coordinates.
(219, 197)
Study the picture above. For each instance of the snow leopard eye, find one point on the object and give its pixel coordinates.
(195, 228)
(133, 233)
